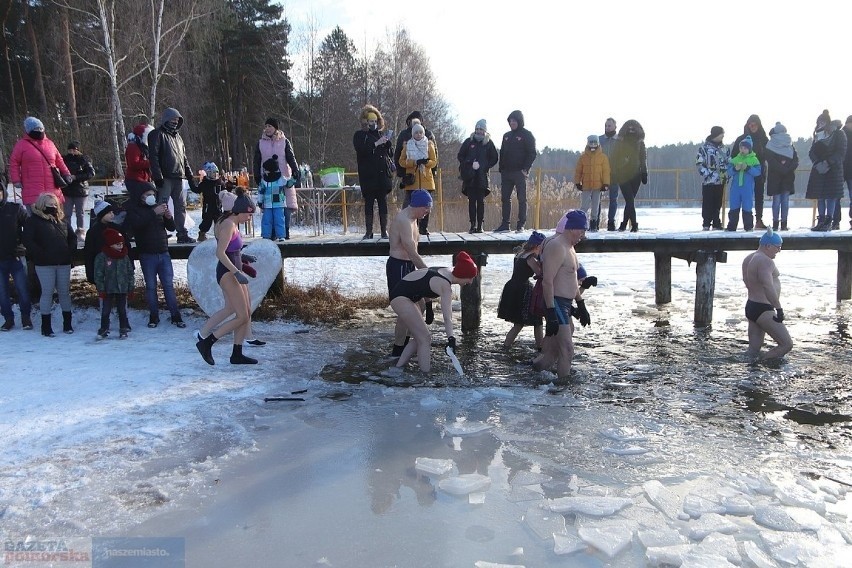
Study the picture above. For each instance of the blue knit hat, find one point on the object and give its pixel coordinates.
(771, 238)
(747, 141)
(421, 198)
(573, 219)
(32, 123)
(536, 238)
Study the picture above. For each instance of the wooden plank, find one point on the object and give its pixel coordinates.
(844, 275)
(663, 278)
(705, 287)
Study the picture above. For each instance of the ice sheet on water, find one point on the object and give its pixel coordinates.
(544, 523)
(484, 564)
(775, 518)
(624, 434)
(755, 556)
(663, 499)
(609, 537)
(529, 478)
(695, 505)
(626, 450)
(708, 524)
(430, 401)
(465, 483)
(567, 543)
(465, 428)
(433, 466)
(589, 505)
(663, 536)
(521, 493)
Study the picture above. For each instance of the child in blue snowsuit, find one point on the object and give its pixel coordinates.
(275, 223)
(742, 169)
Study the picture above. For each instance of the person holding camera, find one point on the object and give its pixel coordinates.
(476, 156)
(76, 192)
(419, 156)
(373, 151)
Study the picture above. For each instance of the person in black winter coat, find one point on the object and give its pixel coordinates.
(847, 171)
(209, 189)
(517, 154)
(754, 128)
(825, 182)
(630, 168)
(781, 164)
(13, 217)
(75, 192)
(106, 217)
(50, 245)
(373, 152)
(476, 156)
(148, 221)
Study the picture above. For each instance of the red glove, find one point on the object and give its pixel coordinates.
(101, 295)
(249, 270)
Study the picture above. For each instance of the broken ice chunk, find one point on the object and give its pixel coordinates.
(476, 498)
(710, 523)
(660, 537)
(529, 478)
(544, 523)
(567, 543)
(465, 428)
(696, 505)
(610, 538)
(776, 518)
(752, 552)
(624, 434)
(663, 499)
(626, 450)
(483, 564)
(667, 555)
(720, 545)
(465, 483)
(589, 505)
(432, 466)
(798, 496)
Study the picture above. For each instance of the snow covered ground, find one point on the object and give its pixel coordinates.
(651, 458)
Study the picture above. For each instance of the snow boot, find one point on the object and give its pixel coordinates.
(202, 236)
(775, 224)
(823, 224)
(368, 220)
(26, 322)
(237, 357)
(383, 223)
(748, 221)
(610, 225)
(759, 224)
(8, 324)
(66, 323)
(205, 347)
(783, 225)
(46, 328)
(733, 220)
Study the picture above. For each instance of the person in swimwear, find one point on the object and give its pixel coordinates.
(407, 297)
(763, 308)
(560, 287)
(234, 284)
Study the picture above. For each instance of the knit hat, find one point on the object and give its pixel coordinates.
(771, 238)
(581, 272)
(778, 129)
(74, 145)
(271, 165)
(417, 128)
(112, 237)
(465, 267)
(32, 123)
(273, 122)
(242, 204)
(715, 131)
(482, 124)
(226, 198)
(536, 238)
(573, 219)
(210, 168)
(823, 120)
(592, 139)
(421, 198)
(101, 208)
(747, 142)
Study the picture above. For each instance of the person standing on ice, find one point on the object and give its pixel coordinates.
(763, 309)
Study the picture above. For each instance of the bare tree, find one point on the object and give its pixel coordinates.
(68, 71)
(39, 76)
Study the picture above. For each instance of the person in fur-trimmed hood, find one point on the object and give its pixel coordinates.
(374, 154)
(477, 155)
(630, 168)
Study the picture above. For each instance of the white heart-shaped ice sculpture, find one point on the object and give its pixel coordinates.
(201, 273)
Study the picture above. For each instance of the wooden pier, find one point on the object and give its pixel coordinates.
(704, 248)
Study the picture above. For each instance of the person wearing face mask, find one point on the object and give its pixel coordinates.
(170, 166)
(31, 161)
(373, 152)
(137, 176)
(76, 192)
(591, 178)
(477, 155)
(149, 221)
(50, 244)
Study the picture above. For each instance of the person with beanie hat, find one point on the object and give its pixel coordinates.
(743, 168)
(517, 154)
(13, 218)
(712, 163)
(763, 309)
(419, 158)
(105, 217)
(137, 174)
(560, 288)
(476, 156)
(77, 190)
(781, 164)
(373, 152)
(114, 280)
(31, 165)
(415, 117)
(234, 284)
(591, 177)
(209, 187)
(514, 305)
(273, 142)
(825, 181)
(753, 129)
(429, 283)
(273, 190)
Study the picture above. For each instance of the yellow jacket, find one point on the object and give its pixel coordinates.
(423, 178)
(592, 170)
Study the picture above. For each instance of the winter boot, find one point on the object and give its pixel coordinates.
(368, 220)
(46, 329)
(835, 224)
(205, 347)
(383, 221)
(634, 227)
(26, 322)
(472, 228)
(623, 226)
(237, 357)
(775, 224)
(479, 226)
(748, 221)
(8, 324)
(759, 224)
(593, 226)
(823, 224)
(733, 220)
(783, 225)
(610, 225)
(66, 323)
(202, 236)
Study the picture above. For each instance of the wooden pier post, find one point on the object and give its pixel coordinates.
(471, 296)
(663, 277)
(705, 287)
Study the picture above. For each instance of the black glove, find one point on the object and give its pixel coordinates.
(192, 185)
(297, 175)
(552, 327)
(644, 178)
(241, 278)
(579, 186)
(779, 315)
(422, 162)
(250, 258)
(451, 343)
(588, 282)
(583, 313)
(159, 182)
(430, 314)
(604, 187)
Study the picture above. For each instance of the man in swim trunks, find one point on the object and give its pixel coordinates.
(560, 287)
(763, 308)
(404, 235)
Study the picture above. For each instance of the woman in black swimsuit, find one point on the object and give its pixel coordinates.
(406, 301)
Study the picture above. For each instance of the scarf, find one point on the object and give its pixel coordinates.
(417, 149)
(781, 143)
(749, 160)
